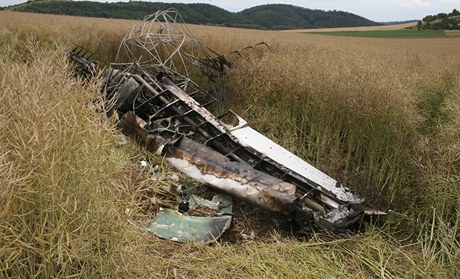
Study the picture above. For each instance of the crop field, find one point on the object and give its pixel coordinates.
(358, 28)
(416, 34)
(381, 115)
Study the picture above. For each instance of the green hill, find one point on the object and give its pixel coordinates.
(441, 21)
(279, 16)
(274, 16)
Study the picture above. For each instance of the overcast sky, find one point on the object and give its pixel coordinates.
(377, 10)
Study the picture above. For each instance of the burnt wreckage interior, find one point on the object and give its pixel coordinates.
(160, 106)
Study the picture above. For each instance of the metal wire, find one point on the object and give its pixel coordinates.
(164, 40)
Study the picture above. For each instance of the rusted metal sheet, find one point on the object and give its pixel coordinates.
(174, 117)
(216, 170)
(241, 181)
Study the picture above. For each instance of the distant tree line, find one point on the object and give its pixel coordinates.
(441, 21)
(276, 16)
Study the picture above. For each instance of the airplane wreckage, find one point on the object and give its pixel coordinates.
(160, 106)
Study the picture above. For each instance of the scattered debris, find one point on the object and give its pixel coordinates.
(219, 203)
(173, 225)
(250, 236)
(174, 177)
(160, 106)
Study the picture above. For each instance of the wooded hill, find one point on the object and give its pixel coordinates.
(441, 21)
(275, 16)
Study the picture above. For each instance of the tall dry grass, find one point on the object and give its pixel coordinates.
(382, 116)
(58, 217)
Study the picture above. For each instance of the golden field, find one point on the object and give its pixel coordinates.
(360, 28)
(380, 115)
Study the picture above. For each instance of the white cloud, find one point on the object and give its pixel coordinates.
(413, 3)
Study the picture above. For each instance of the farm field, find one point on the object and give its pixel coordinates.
(406, 30)
(381, 115)
(416, 34)
(359, 28)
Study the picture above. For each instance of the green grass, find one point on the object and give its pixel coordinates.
(403, 34)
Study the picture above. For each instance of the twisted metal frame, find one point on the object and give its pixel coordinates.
(164, 42)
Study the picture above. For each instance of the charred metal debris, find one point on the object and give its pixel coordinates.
(160, 106)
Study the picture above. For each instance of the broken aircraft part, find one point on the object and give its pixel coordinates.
(219, 203)
(172, 225)
(163, 40)
(174, 117)
(82, 64)
(197, 219)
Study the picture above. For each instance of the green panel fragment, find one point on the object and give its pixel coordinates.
(172, 225)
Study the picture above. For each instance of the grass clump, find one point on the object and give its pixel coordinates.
(58, 169)
(342, 116)
(382, 126)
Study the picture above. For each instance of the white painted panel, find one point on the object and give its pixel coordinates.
(251, 138)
